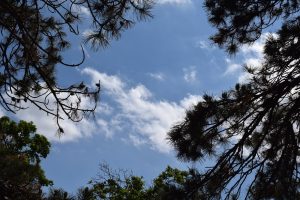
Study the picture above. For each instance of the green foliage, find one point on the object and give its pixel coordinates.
(169, 185)
(117, 185)
(33, 36)
(59, 194)
(21, 150)
(251, 131)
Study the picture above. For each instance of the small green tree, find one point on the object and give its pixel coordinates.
(169, 185)
(21, 150)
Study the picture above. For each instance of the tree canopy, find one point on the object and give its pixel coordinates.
(113, 184)
(21, 150)
(33, 35)
(251, 132)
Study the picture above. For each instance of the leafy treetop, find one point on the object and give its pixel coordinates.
(21, 150)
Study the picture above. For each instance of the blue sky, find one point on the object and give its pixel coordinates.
(149, 78)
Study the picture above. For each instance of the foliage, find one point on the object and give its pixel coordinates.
(169, 185)
(59, 194)
(113, 184)
(117, 185)
(251, 131)
(21, 150)
(33, 35)
(85, 194)
(242, 22)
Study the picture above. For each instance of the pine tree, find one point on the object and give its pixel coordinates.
(251, 131)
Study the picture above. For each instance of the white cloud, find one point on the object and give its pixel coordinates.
(46, 124)
(132, 113)
(158, 76)
(252, 55)
(232, 67)
(104, 108)
(190, 101)
(148, 121)
(244, 77)
(81, 10)
(204, 44)
(136, 140)
(257, 47)
(104, 128)
(87, 32)
(85, 51)
(189, 74)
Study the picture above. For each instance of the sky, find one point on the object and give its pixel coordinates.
(149, 78)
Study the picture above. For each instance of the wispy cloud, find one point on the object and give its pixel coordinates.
(87, 32)
(130, 113)
(158, 76)
(47, 125)
(136, 140)
(190, 74)
(205, 44)
(251, 55)
(85, 51)
(232, 67)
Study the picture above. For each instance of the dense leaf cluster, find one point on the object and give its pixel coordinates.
(21, 150)
(112, 184)
(121, 185)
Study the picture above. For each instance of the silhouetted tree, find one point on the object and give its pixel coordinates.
(33, 35)
(21, 150)
(251, 132)
(59, 194)
(85, 194)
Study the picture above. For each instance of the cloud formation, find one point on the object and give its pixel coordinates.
(190, 74)
(205, 45)
(158, 76)
(46, 124)
(146, 120)
(81, 10)
(131, 113)
(232, 67)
